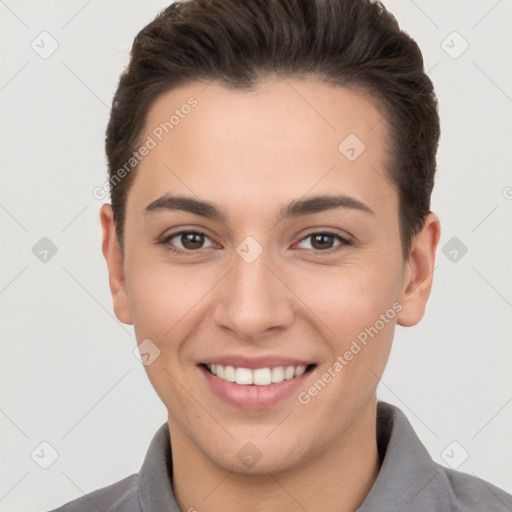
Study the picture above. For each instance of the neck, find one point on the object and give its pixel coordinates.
(337, 480)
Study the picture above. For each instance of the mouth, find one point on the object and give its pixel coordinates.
(258, 376)
(256, 388)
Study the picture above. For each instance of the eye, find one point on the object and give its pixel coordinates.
(190, 241)
(323, 241)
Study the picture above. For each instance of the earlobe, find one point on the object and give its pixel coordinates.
(115, 264)
(420, 272)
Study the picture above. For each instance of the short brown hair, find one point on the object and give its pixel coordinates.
(351, 43)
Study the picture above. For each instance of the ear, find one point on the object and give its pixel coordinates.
(420, 272)
(115, 263)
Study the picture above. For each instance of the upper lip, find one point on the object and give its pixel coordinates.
(255, 362)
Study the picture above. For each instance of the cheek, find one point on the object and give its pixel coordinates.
(164, 301)
(168, 304)
(350, 297)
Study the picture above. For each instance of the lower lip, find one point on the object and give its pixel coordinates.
(252, 396)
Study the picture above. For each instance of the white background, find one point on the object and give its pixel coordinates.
(68, 374)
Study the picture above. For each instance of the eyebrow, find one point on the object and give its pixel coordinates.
(294, 209)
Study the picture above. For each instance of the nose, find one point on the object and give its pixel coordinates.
(253, 300)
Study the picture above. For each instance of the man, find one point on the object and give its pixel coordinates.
(271, 165)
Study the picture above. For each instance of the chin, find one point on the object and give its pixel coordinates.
(261, 456)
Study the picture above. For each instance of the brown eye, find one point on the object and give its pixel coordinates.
(186, 241)
(192, 240)
(324, 241)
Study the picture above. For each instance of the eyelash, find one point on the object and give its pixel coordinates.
(170, 247)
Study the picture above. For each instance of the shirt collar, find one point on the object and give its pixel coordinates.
(154, 482)
(408, 478)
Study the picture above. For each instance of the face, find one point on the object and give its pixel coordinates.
(267, 276)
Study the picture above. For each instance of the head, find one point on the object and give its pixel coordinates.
(261, 116)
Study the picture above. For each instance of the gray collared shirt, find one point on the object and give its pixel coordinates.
(409, 480)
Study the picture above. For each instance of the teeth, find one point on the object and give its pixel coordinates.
(277, 374)
(289, 373)
(299, 371)
(262, 377)
(229, 374)
(243, 376)
(258, 377)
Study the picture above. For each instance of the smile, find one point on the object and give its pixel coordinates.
(255, 383)
(259, 376)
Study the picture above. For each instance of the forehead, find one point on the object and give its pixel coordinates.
(282, 139)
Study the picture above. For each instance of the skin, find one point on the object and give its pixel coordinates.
(251, 153)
